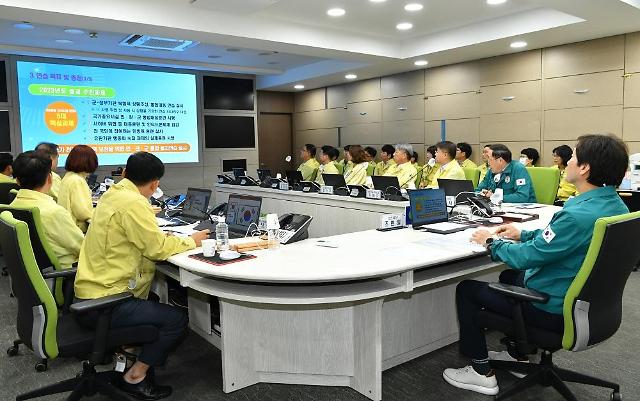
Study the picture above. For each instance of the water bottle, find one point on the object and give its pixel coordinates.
(222, 235)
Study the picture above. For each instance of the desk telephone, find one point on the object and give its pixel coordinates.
(482, 205)
(293, 228)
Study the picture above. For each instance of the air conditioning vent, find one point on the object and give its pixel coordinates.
(157, 43)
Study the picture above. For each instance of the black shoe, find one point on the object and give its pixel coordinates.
(147, 389)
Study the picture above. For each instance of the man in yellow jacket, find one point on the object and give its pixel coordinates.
(404, 170)
(6, 171)
(118, 255)
(449, 168)
(309, 167)
(33, 172)
(327, 166)
(386, 160)
(463, 153)
(51, 149)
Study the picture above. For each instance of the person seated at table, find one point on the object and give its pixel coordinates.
(430, 167)
(414, 159)
(509, 175)
(484, 166)
(75, 194)
(357, 175)
(449, 168)
(542, 260)
(403, 169)
(369, 155)
(463, 153)
(529, 157)
(118, 255)
(309, 166)
(326, 164)
(51, 149)
(33, 172)
(6, 170)
(561, 155)
(386, 160)
(347, 163)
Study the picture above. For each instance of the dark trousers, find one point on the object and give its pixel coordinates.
(170, 321)
(473, 296)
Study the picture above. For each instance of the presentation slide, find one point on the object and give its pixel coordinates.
(115, 111)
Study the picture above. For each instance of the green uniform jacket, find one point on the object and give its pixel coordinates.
(552, 257)
(515, 183)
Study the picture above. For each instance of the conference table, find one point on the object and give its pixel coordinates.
(335, 311)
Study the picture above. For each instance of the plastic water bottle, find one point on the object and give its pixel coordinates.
(222, 235)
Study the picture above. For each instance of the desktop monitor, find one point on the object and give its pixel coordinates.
(386, 184)
(294, 177)
(243, 211)
(264, 174)
(196, 203)
(454, 187)
(428, 206)
(334, 180)
(238, 172)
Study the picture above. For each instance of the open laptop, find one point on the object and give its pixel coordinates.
(194, 207)
(454, 187)
(242, 211)
(429, 208)
(336, 181)
(294, 177)
(386, 184)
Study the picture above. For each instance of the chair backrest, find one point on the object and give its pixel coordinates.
(546, 181)
(340, 167)
(419, 175)
(472, 174)
(370, 169)
(5, 191)
(37, 312)
(314, 175)
(593, 303)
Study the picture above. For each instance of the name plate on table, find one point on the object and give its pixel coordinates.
(374, 194)
(284, 186)
(274, 185)
(391, 220)
(451, 201)
(354, 192)
(306, 189)
(326, 189)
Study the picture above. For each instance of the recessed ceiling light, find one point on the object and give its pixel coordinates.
(336, 12)
(404, 26)
(377, 1)
(213, 56)
(518, 44)
(74, 31)
(413, 7)
(24, 25)
(233, 49)
(351, 76)
(272, 62)
(64, 41)
(267, 53)
(495, 2)
(299, 86)
(421, 63)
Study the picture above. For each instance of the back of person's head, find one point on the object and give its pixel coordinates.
(357, 154)
(414, 156)
(143, 167)
(311, 148)
(6, 159)
(82, 159)
(371, 151)
(465, 148)
(531, 154)
(564, 152)
(405, 148)
(32, 168)
(607, 157)
(447, 147)
(334, 153)
(388, 149)
(499, 150)
(50, 148)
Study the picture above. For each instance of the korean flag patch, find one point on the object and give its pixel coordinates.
(521, 181)
(548, 234)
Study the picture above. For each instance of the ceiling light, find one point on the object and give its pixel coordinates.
(495, 2)
(404, 26)
(336, 12)
(233, 49)
(64, 41)
(518, 45)
(351, 76)
(24, 25)
(299, 86)
(213, 56)
(377, 1)
(74, 31)
(413, 7)
(421, 63)
(144, 49)
(267, 53)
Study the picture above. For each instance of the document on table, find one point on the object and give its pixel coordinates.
(184, 231)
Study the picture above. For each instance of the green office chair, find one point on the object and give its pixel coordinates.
(51, 335)
(314, 175)
(472, 174)
(592, 310)
(370, 169)
(546, 181)
(419, 175)
(340, 167)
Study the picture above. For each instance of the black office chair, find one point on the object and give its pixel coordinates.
(51, 335)
(592, 310)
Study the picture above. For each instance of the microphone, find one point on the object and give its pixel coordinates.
(419, 170)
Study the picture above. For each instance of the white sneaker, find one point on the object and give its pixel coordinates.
(505, 356)
(468, 379)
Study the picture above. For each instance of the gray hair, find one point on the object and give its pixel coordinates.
(406, 148)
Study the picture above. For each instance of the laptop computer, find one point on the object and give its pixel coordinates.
(429, 207)
(294, 177)
(454, 187)
(243, 211)
(386, 184)
(336, 181)
(194, 208)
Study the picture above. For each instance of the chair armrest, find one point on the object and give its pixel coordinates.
(60, 273)
(100, 303)
(520, 293)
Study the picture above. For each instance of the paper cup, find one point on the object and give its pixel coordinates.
(208, 248)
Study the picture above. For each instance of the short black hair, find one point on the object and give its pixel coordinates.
(415, 156)
(6, 159)
(32, 168)
(532, 154)
(607, 157)
(371, 151)
(326, 150)
(334, 153)
(564, 152)
(346, 148)
(448, 147)
(311, 148)
(50, 148)
(388, 149)
(143, 167)
(498, 150)
(466, 148)
(432, 149)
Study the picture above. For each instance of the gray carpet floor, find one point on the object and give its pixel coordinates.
(195, 369)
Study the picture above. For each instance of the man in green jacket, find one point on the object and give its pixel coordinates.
(507, 174)
(544, 260)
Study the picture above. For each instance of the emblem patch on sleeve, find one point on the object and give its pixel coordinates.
(548, 234)
(521, 181)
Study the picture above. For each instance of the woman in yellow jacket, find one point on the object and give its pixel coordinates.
(75, 194)
(561, 156)
(357, 174)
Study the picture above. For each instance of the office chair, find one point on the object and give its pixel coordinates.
(370, 169)
(472, 174)
(546, 181)
(49, 334)
(6, 197)
(592, 310)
